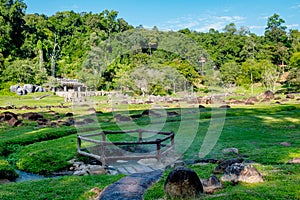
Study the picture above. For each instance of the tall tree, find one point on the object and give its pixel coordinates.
(275, 31)
(11, 26)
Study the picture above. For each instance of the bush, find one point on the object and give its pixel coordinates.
(7, 171)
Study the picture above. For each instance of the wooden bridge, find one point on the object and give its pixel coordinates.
(102, 149)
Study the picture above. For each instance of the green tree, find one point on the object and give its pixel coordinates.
(275, 31)
(11, 26)
(230, 72)
(295, 60)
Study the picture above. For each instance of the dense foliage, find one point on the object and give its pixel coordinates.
(34, 47)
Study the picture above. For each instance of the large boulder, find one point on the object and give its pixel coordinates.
(6, 116)
(33, 116)
(183, 183)
(14, 122)
(14, 88)
(29, 88)
(21, 91)
(40, 89)
(121, 118)
(267, 95)
(239, 172)
(223, 165)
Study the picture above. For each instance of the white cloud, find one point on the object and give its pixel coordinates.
(297, 6)
(290, 26)
(203, 23)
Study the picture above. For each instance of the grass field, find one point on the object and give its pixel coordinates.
(256, 130)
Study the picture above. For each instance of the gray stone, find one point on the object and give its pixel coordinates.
(239, 172)
(183, 183)
(230, 151)
(80, 173)
(29, 88)
(285, 144)
(95, 169)
(179, 163)
(294, 161)
(21, 91)
(14, 88)
(223, 165)
(211, 184)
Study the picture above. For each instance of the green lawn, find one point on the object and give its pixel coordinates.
(256, 131)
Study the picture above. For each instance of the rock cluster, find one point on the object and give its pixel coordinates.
(240, 172)
(10, 118)
(27, 88)
(81, 169)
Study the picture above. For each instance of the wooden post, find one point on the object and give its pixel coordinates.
(172, 140)
(78, 143)
(102, 147)
(140, 135)
(158, 150)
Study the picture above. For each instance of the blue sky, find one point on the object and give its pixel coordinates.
(196, 15)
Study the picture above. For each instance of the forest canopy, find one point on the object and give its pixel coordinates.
(36, 47)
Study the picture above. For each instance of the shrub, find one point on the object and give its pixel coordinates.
(7, 171)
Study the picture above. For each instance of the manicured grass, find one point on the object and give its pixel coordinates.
(45, 157)
(66, 188)
(256, 131)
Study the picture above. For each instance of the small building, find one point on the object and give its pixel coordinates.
(71, 85)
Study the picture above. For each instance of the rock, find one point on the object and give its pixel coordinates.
(80, 173)
(267, 95)
(4, 181)
(179, 163)
(265, 100)
(294, 161)
(39, 89)
(230, 151)
(223, 165)
(89, 120)
(183, 183)
(253, 99)
(225, 106)
(32, 116)
(211, 184)
(172, 114)
(201, 107)
(95, 169)
(69, 122)
(290, 96)
(239, 172)
(14, 88)
(285, 144)
(14, 122)
(69, 114)
(21, 91)
(121, 118)
(150, 113)
(6, 116)
(29, 88)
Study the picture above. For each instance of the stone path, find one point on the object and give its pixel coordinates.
(132, 167)
(131, 187)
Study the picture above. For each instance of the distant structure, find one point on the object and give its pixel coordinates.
(71, 84)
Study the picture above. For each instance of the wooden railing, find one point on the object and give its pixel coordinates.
(161, 149)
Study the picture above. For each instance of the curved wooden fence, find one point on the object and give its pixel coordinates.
(161, 147)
